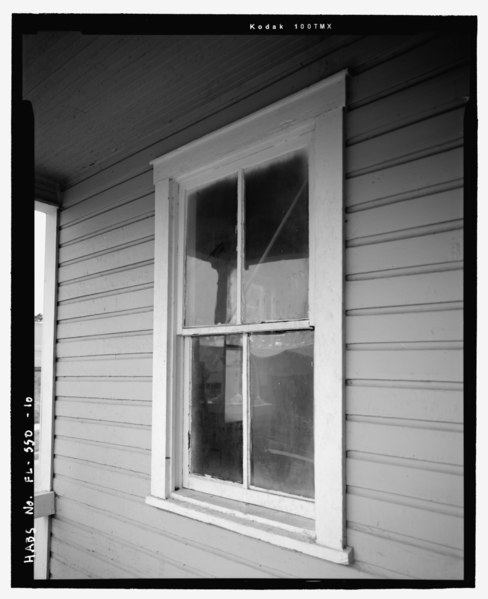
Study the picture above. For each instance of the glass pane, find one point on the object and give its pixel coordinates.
(275, 277)
(281, 391)
(216, 407)
(211, 254)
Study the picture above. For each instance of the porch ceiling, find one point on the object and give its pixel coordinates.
(100, 98)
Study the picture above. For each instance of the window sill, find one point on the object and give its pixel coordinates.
(284, 530)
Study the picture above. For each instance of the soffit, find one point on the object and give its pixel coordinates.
(100, 98)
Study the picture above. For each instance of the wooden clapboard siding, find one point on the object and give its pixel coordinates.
(405, 365)
(111, 432)
(79, 229)
(132, 299)
(406, 143)
(401, 556)
(125, 321)
(104, 453)
(404, 477)
(109, 239)
(130, 412)
(107, 546)
(403, 331)
(113, 388)
(429, 287)
(409, 517)
(416, 214)
(436, 402)
(116, 280)
(58, 569)
(95, 345)
(404, 321)
(413, 327)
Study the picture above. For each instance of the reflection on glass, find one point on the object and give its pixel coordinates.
(211, 254)
(281, 391)
(216, 407)
(275, 278)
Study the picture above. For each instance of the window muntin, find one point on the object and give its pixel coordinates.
(255, 238)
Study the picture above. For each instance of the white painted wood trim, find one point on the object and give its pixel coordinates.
(163, 377)
(44, 504)
(240, 244)
(244, 524)
(286, 114)
(246, 414)
(42, 547)
(273, 500)
(326, 245)
(45, 468)
(260, 327)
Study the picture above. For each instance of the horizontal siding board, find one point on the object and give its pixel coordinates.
(107, 240)
(435, 527)
(141, 252)
(124, 323)
(112, 197)
(416, 251)
(405, 178)
(405, 290)
(435, 95)
(117, 302)
(407, 365)
(442, 446)
(404, 557)
(147, 565)
(106, 366)
(105, 409)
(104, 453)
(120, 344)
(61, 571)
(106, 432)
(109, 219)
(88, 561)
(177, 550)
(401, 216)
(415, 404)
(440, 325)
(211, 539)
(399, 479)
(121, 279)
(404, 70)
(105, 389)
(424, 137)
(116, 479)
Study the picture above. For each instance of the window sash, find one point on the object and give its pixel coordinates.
(239, 491)
(210, 175)
(244, 492)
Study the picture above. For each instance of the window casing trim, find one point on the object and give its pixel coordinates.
(316, 113)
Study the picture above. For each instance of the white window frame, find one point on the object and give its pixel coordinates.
(316, 116)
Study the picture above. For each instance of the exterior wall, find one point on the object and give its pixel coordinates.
(403, 332)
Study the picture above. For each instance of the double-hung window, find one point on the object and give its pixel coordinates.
(247, 376)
